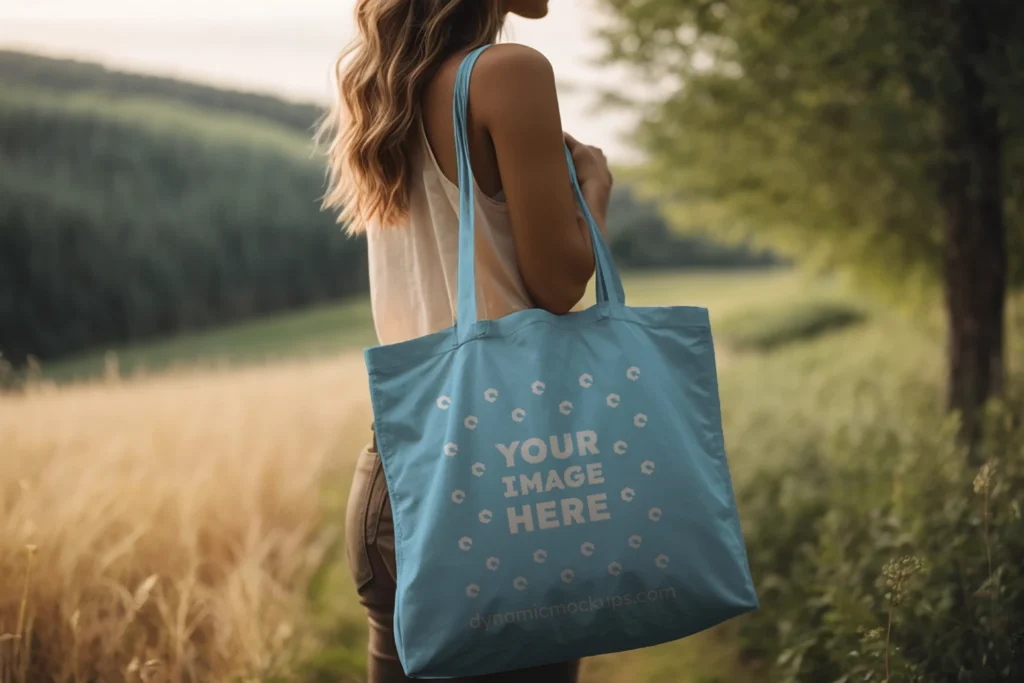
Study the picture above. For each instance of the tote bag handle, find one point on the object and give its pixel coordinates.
(609, 286)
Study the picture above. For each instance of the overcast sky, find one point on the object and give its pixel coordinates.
(286, 47)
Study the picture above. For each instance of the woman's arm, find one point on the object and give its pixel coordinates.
(514, 97)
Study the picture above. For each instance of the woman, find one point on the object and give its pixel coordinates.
(393, 174)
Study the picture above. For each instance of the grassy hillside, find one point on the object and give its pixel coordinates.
(66, 75)
(125, 219)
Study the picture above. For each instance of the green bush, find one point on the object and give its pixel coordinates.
(764, 329)
(872, 535)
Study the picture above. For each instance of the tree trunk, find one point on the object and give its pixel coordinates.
(975, 236)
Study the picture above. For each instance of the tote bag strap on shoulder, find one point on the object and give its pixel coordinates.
(609, 286)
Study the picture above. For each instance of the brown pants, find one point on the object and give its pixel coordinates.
(370, 543)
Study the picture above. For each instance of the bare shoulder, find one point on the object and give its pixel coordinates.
(513, 75)
(513, 59)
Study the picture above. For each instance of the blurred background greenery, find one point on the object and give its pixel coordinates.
(841, 182)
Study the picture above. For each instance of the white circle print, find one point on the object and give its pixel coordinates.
(633, 373)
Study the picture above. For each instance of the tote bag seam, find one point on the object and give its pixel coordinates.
(385, 451)
(377, 369)
(660, 326)
(734, 513)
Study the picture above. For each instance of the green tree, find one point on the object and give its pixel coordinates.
(882, 135)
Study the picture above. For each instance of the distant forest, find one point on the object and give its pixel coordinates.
(134, 206)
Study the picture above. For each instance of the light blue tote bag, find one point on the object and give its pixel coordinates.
(558, 483)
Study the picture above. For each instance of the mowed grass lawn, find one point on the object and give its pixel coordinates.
(192, 519)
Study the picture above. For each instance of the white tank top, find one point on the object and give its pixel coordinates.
(414, 266)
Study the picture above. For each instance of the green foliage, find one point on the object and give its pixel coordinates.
(824, 128)
(66, 75)
(858, 502)
(767, 328)
(125, 219)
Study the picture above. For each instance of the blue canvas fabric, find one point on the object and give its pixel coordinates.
(559, 483)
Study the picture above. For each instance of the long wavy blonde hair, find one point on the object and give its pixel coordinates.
(380, 80)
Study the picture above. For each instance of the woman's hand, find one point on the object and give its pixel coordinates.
(594, 176)
(591, 164)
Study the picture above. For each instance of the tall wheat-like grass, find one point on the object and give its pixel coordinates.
(171, 523)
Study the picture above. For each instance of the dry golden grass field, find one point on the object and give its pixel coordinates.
(166, 528)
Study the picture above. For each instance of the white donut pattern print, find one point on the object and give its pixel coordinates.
(588, 550)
